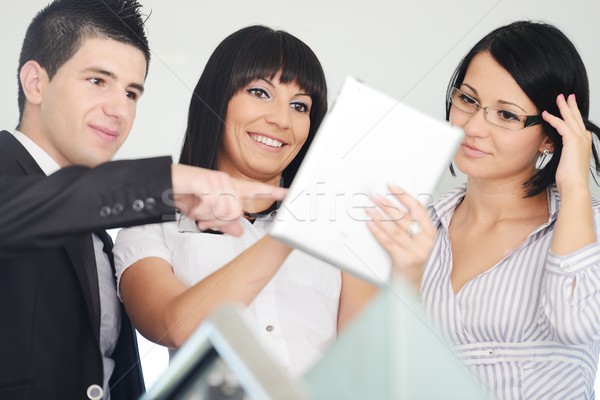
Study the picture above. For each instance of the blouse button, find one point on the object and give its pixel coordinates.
(565, 265)
(269, 328)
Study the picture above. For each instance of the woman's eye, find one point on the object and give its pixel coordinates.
(300, 106)
(508, 116)
(467, 99)
(257, 92)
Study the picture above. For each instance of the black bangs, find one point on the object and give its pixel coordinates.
(264, 53)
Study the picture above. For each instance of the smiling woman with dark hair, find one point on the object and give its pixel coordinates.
(249, 54)
(253, 114)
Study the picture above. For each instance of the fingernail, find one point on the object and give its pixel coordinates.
(562, 96)
(393, 186)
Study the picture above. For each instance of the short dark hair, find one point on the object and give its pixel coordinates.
(251, 53)
(544, 63)
(57, 32)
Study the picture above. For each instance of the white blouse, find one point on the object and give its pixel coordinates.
(296, 312)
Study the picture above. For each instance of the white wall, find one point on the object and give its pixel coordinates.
(407, 49)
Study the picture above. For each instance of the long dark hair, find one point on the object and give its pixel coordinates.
(544, 63)
(251, 53)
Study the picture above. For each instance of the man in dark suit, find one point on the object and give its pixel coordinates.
(64, 334)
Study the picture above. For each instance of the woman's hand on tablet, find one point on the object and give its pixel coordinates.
(404, 230)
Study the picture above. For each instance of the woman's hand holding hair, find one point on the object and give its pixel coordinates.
(574, 225)
(574, 165)
(407, 235)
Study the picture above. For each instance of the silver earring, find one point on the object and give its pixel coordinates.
(542, 159)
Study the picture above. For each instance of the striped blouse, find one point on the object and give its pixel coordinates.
(519, 325)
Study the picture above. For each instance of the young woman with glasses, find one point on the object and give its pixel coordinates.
(513, 276)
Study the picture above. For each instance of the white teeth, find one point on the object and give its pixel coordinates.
(268, 141)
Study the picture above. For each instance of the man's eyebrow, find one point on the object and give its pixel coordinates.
(137, 86)
(112, 75)
(100, 71)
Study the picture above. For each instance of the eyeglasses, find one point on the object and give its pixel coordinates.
(495, 116)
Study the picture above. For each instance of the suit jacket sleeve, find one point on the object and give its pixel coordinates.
(38, 211)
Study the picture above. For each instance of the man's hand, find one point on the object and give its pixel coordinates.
(214, 199)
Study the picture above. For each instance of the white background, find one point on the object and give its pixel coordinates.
(407, 49)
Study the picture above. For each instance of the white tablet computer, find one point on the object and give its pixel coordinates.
(366, 140)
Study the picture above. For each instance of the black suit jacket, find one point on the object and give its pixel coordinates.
(49, 296)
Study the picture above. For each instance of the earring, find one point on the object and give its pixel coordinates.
(542, 159)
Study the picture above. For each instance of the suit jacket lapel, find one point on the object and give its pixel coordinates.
(20, 154)
(83, 258)
(80, 250)
(108, 246)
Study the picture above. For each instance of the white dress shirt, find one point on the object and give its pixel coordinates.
(110, 317)
(296, 312)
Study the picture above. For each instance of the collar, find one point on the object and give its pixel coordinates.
(442, 210)
(43, 159)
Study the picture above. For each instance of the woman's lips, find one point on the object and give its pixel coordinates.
(472, 151)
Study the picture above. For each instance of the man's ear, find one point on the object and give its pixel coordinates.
(32, 77)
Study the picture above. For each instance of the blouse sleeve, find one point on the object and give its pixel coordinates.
(571, 295)
(134, 244)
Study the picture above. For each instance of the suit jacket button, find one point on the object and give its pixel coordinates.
(150, 203)
(105, 212)
(95, 392)
(138, 205)
(117, 209)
